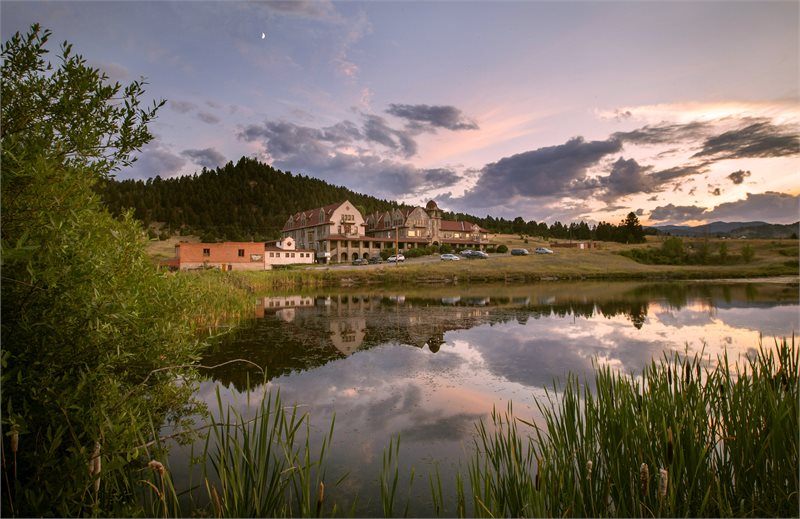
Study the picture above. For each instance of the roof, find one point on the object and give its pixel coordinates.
(294, 221)
(459, 226)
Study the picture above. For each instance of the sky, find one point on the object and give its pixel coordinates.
(684, 112)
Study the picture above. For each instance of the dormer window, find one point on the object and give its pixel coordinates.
(321, 216)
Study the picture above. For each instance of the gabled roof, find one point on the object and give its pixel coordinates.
(459, 226)
(312, 216)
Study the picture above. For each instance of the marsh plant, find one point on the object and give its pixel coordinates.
(681, 440)
(262, 466)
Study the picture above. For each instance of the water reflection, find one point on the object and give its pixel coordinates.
(293, 333)
(426, 364)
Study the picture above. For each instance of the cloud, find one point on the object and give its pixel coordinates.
(761, 139)
(376, 130)
(208, 118)
(359, 28)
(737, 177)
(543, 172)
(716, 191)
(343, 154)
(314, 9)
(770, 207)
(207, 157)
(154, 159)
(114, 71)
(182, 107)
(427, 116)
(665, 133)
(676, 213)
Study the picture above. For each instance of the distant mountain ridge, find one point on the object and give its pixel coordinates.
(756, 229)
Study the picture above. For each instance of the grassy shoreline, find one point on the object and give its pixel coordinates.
(778, 260)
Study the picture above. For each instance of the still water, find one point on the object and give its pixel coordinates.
(426, 364)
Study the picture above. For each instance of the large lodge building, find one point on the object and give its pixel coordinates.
(336, 233)
(339, 233)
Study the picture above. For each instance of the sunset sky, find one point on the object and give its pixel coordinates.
(685, 112)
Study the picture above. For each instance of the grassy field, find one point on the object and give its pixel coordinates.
(772, 258)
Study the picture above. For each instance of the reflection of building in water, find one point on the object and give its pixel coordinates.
(347, 334)
(276, 304)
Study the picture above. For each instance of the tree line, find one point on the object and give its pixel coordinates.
(250, 200)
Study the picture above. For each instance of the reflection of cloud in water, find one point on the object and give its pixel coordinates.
(437, 428)
(778, 321)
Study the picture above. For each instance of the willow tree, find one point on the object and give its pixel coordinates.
(89, 327)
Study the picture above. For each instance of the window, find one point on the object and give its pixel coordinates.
(241, 253)
(271, 254)
(206, 252)
(287, 254)
(293, 254)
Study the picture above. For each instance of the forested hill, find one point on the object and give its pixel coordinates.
(252, 201)
(243, 201)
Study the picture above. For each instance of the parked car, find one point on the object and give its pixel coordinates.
(466, 252)
(478, 254)
(359, 261)
(449, 257)
(519, 252)
(542, 250)
(375, 260)
(395, 259)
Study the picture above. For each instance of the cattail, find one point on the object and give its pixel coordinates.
(644, 479)
(669, 375)
(320, 498)
(216, 500)
(157, 466)
(14, 439)
(669, 445)
(663, 477)
(95, 466)
(589, 470)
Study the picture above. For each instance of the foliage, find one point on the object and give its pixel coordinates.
(244, 201)
(91, 331)
(682, 440)
(502, 249)
(674, 251)
(261, 467)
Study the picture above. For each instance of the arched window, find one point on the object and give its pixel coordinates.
(355, 256)
(344, 257)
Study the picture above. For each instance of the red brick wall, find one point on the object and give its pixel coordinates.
(227, 252)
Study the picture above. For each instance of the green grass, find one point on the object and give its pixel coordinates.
(263, 466)
(724, 440)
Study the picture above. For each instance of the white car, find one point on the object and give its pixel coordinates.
(395, 259)
(449, 257)
(542, 250)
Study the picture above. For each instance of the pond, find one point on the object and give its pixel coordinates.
(426, 364)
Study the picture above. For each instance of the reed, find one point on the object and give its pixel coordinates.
(721, 441)
(262, 467)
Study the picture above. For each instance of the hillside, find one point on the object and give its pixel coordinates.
(734, 230)
(252, 201)
(243, 201)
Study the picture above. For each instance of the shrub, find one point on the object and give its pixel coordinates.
(90, 328)
(502, 249)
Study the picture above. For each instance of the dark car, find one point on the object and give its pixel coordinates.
(519, 252)
(374, 260)
(359, 261)
(478, 254)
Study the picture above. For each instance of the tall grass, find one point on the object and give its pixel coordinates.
(261, 466)
(682, 440)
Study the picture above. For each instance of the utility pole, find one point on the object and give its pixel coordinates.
(396, 242)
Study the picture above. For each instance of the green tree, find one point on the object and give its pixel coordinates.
(633, 229)
(748, 253)
(90, 328)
